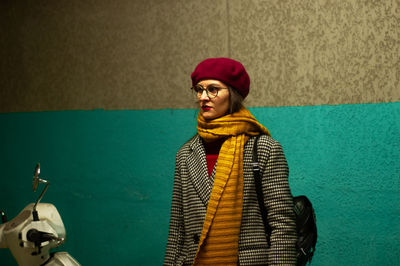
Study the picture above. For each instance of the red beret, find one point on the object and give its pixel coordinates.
(224, 69)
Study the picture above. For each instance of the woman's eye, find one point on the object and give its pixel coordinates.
(212, 89)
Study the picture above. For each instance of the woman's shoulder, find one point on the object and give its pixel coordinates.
(189, 144)
(265, 140)
(265, 144)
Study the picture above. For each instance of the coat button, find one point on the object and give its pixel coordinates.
(196, 238)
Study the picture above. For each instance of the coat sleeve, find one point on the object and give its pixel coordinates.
(176, 232)
(279, 203)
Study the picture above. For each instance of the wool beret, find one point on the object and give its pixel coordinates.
(224, 69)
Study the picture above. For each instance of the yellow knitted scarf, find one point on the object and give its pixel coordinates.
(220, 234)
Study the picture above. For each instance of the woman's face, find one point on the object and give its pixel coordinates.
(211, 108)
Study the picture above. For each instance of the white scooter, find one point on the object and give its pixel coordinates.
(37, 229)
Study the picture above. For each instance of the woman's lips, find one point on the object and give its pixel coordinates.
(206, 108)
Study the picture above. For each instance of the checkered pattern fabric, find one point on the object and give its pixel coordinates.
(191, 192)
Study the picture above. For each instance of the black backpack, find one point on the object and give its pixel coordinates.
(305, 217)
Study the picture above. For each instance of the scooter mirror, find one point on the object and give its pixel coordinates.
(35, 184)
(36, 174)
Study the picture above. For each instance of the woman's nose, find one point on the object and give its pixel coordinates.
(204, 96)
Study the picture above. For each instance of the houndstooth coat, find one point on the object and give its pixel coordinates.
(191, 192)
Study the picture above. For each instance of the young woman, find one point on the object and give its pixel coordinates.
(215, 217)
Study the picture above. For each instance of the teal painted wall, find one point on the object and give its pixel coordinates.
(111, 175)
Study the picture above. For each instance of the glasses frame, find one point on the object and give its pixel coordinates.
(209, 95)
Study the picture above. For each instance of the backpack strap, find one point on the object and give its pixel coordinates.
(260, 196)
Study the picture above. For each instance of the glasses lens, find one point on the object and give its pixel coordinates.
(198, 90)
(212, 91)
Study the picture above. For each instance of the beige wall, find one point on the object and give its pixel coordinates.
(66, 55)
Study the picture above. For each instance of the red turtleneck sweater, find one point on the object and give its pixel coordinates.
(212, 151)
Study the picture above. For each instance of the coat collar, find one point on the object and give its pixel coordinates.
(197, 165)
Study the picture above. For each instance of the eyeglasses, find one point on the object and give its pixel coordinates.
(211, 90)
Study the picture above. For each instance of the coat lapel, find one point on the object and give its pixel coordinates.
(197, 165)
